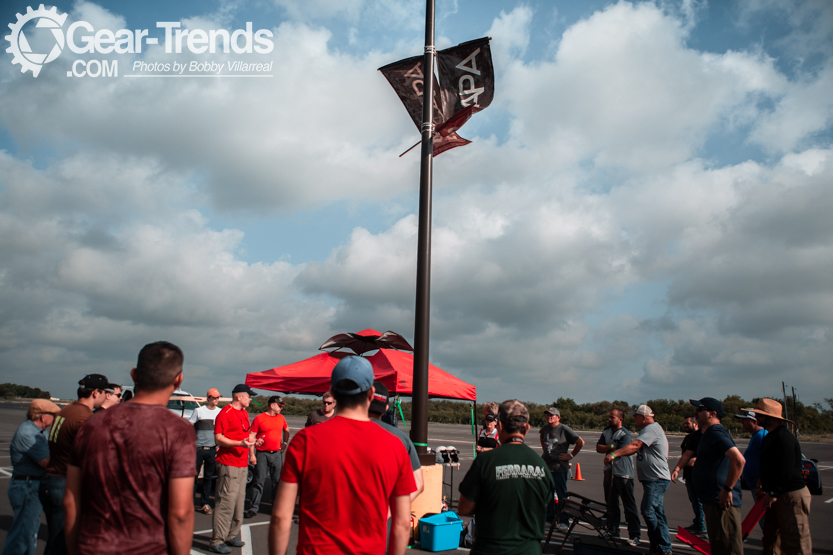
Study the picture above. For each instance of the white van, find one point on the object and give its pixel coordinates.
(180, 403)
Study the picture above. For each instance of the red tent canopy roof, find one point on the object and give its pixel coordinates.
(392, 368)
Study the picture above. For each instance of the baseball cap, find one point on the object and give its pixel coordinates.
(644, 410)
(43, 406)
(276, 399)
(491, 417)
(356, 369)
(553, 411)
(747, 415)
(379, 403)
(709, 403)
(513, 411)
(243, 388)
(94, 381)
(213, 392)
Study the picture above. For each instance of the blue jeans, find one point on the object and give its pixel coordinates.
(23, 535)
(51, 494)
(561, 491)
(696, 506)
(654, 515)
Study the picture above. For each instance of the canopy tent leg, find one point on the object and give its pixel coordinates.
(474, 427)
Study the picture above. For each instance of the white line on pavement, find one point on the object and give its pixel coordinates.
(246, 537)
(829, 500)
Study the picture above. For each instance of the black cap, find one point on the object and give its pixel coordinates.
(379, 403)
(491, 417)
(276, 399)
(243, 388)
(94, 381)
(709, 403)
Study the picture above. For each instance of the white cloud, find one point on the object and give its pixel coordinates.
(593, 188)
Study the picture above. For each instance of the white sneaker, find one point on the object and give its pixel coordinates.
(562, 527)
(633, 542)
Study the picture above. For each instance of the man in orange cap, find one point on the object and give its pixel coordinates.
(203, 420)
(786, 497)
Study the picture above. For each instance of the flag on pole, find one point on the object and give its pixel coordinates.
(466, 86)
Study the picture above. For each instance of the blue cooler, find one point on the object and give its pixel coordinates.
(440, 532)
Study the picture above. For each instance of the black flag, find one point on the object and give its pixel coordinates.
(467, 78)
(466, 86)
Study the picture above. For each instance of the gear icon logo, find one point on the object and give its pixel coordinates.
(20, 49)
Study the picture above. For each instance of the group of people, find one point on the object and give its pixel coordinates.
(123, 480)
(712, 467)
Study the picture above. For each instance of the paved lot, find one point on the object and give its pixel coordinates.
(677, 507)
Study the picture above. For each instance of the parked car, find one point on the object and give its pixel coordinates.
(810, 472)
(180, 402)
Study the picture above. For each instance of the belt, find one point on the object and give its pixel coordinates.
(206, 448)
(21, 477)
(269, 452)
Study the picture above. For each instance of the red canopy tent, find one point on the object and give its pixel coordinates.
(393, 368)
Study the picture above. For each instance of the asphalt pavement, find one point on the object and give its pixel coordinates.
(677, 507)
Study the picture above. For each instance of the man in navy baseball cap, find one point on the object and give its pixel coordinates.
(355, 369)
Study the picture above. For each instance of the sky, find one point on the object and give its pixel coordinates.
(643, 211)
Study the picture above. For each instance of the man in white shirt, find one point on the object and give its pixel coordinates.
(203, 420)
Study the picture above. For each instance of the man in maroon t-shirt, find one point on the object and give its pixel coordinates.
(231, 433)
(130, 477)
(346, 488)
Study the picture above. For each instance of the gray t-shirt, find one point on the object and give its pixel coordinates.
(406, 441)
(203, 420)
(557, 441)
(652, 457)
(622, 466)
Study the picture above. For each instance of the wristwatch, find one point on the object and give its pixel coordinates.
(727, 488)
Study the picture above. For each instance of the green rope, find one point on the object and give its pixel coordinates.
(473, 434)
(397, 403)
(421, 444)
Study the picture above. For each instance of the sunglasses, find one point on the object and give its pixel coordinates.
(329, 402)
(212, 397)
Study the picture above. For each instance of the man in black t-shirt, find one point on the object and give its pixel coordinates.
(690, 443)
(507, 489)
(786, 497)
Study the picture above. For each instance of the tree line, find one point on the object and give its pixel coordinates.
(14, 391)
(811, 419)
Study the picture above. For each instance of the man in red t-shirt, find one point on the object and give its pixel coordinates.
(231, 433)
(130, 478)
(272, 428)
(346, 487)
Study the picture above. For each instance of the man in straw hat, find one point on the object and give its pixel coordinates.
(786, 497)
(30, 455)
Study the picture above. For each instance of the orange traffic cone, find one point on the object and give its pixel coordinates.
(578, 473)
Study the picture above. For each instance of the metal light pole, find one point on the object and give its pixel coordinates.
(419, 417)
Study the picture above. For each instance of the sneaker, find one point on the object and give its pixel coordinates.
(695, 529)
(250, 514)
(633, 542)
(609, 535)
(562, 527)
(220, 548)
(205, 509)
(235, 542)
